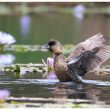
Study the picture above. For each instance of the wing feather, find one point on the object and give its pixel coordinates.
(91, 43)
(94, 42)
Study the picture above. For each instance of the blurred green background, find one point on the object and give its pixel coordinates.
(38, 22)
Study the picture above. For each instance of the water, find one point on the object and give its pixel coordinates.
(38, 29)
(31, 85)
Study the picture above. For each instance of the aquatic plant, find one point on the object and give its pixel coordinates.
(50, 63)
(6, 39)
(4, 94)
(50, 74)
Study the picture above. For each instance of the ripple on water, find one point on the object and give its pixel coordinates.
(97, 82)
(30, 81)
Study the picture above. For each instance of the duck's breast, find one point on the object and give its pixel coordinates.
(61, 69)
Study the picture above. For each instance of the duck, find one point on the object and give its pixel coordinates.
(85, 57)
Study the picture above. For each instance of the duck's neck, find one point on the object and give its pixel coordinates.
(59, 56)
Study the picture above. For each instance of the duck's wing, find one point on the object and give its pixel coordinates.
(89, 60)
(94, 42)
(81, 64)
(101, 56)
(91, 43)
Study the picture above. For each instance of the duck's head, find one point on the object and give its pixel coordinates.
(54, 46)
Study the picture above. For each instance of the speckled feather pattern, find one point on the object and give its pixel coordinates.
(65, 72)
(61, 68)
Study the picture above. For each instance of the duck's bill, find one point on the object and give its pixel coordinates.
(45, 47)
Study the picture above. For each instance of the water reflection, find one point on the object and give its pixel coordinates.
(79, 11)
(6, 59)
(25, 22)
(99, 95)
(4, 94)
(92, 94)
(52, 88)
(68, 91)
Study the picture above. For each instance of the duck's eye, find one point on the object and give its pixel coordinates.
(51, 43)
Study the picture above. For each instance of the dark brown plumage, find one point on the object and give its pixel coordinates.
(86, 57)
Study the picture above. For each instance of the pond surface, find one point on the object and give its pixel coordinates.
(39, 29)
(31, 85)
